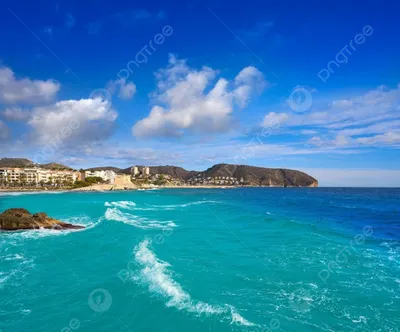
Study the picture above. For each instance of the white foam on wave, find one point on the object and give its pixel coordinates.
(175, 206)
(115, 214)
(14, 257)
(19, 267)
(3, 278)
(128, 205)
(155, 273)
(121, 204)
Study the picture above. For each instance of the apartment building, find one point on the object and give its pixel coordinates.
(107, 175)
(134, 170)
(144, 171)
(36, 176)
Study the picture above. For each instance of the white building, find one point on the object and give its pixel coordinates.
(134, 170)
(144, 171)
(106, 175)
(37, 176)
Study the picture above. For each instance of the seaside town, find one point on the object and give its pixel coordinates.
(140, 176)
(39, 177)
(23, 174)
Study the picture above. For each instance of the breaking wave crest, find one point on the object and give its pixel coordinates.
(121, 204)
(176, 206)
(117, 215)
(129, 205)
(155, 273)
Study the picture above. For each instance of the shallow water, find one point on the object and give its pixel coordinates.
(248, 259)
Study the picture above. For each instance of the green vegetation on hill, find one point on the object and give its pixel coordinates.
(89, 181)
(55, 166)
(15, 162)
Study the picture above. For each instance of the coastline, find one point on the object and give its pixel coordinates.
(129, 187)
(20, 189)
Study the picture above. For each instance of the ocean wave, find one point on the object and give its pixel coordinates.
(129, 205)
(20, 266)
(121, 204)
(175, 206)
(14, 257)
(115, 214)
(155, 273)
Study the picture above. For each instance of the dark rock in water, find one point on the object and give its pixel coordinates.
(21, 219)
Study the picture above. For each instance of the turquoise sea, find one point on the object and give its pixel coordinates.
(246, 259)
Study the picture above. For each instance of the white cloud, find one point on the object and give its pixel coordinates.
(25, 90)
(273, 119)
(127, 89)
(15, 114)
(4, 131)
(308, 132)
(188, 100)
(386, 138)
(352, 121)
(72, 121)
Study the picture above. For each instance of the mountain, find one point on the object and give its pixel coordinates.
(260, 176)
(173, 171)
(107, 168)
(15, 162)
(252, 175)
(55, 166)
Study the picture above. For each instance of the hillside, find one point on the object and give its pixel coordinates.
(106, 168)
(15, 162)
(260, 176)
(173, 171)
(55, 166)
(251, 175)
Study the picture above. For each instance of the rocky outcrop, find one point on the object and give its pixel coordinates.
(21, 219)
(261, 176)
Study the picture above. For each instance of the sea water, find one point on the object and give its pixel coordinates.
(246, 259)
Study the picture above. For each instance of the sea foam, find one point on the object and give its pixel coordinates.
(121, 204)
(155, 273)
(177, 206)
(115, 214)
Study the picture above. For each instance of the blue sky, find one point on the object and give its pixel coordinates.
(305, 85)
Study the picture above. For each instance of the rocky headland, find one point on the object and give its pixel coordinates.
(21, 219)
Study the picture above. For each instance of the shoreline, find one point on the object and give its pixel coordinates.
(133, 187)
